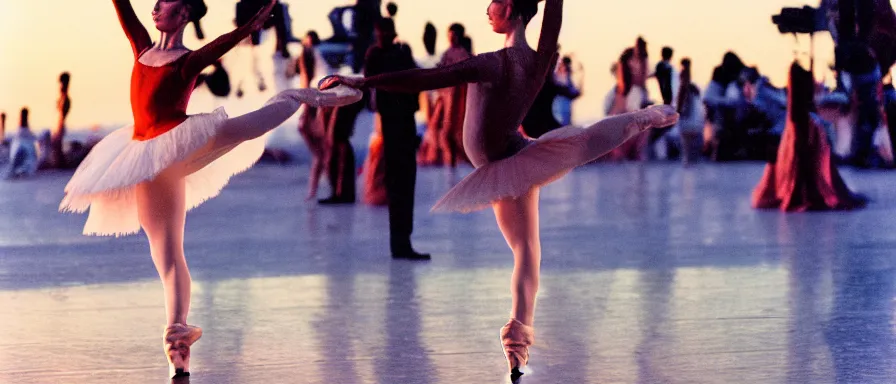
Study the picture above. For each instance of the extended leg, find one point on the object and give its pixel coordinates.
(256, 123)
(611, 132)
(250, 126)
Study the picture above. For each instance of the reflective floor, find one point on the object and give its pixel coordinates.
(651, 274)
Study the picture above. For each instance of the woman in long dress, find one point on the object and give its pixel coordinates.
(803, 177)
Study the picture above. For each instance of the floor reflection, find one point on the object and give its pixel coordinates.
(859, 331)
(403, 357)
(651, 274)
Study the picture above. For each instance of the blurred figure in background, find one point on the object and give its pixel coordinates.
(366, 15)
(218, 82)
(63, 106)
(563, 78)
(443, 141)
(428, 60)
(627, 97)
(311, 68)
(4, 140)
(724, 100)
(664, 75)
(765, 114)
(665, 78)
(693, 115)
(803, 177)
(339, 153)
(540, 118)
(23, 161)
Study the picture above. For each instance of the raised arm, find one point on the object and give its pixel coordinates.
(550, 34)
(133, 29)
(211, 52)
(478, 69)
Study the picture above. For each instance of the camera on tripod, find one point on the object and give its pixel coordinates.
(799, 20)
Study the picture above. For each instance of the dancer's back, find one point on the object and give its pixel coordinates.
(496, 109)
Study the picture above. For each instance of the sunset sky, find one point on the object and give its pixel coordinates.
(40, 39)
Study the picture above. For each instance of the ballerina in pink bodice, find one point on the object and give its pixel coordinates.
(510, 169)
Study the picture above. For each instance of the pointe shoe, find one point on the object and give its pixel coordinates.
(333, 97)
(336, 97)
(177, 340)
(516, 338)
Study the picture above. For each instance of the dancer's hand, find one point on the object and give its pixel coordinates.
(333, 81)
(262, 16)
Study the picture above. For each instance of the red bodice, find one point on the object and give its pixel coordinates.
(159, 95)
(159, 98)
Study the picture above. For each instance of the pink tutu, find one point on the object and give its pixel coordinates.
(543, 161)
(105, 180)
(547, 159)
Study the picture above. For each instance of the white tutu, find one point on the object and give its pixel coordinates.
(105, 180)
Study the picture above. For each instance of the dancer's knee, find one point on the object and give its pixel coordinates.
(526, 283)
(526, 249)
(165, 245)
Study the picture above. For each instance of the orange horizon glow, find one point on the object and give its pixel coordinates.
(39, 40)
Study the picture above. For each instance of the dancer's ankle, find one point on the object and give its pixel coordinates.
(529, 322)
(181, 321)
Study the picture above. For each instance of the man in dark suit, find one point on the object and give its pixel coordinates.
(663, 73)
(366, 15)
(399, 137)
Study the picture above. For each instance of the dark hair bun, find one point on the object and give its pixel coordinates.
(525, 9)
(198, 9)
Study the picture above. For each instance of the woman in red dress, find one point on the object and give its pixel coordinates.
(803, 177)
(147, 175)
(375, 168)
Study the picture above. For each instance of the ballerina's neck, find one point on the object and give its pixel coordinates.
(155, 57)
(516, 38)
(171, 41)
